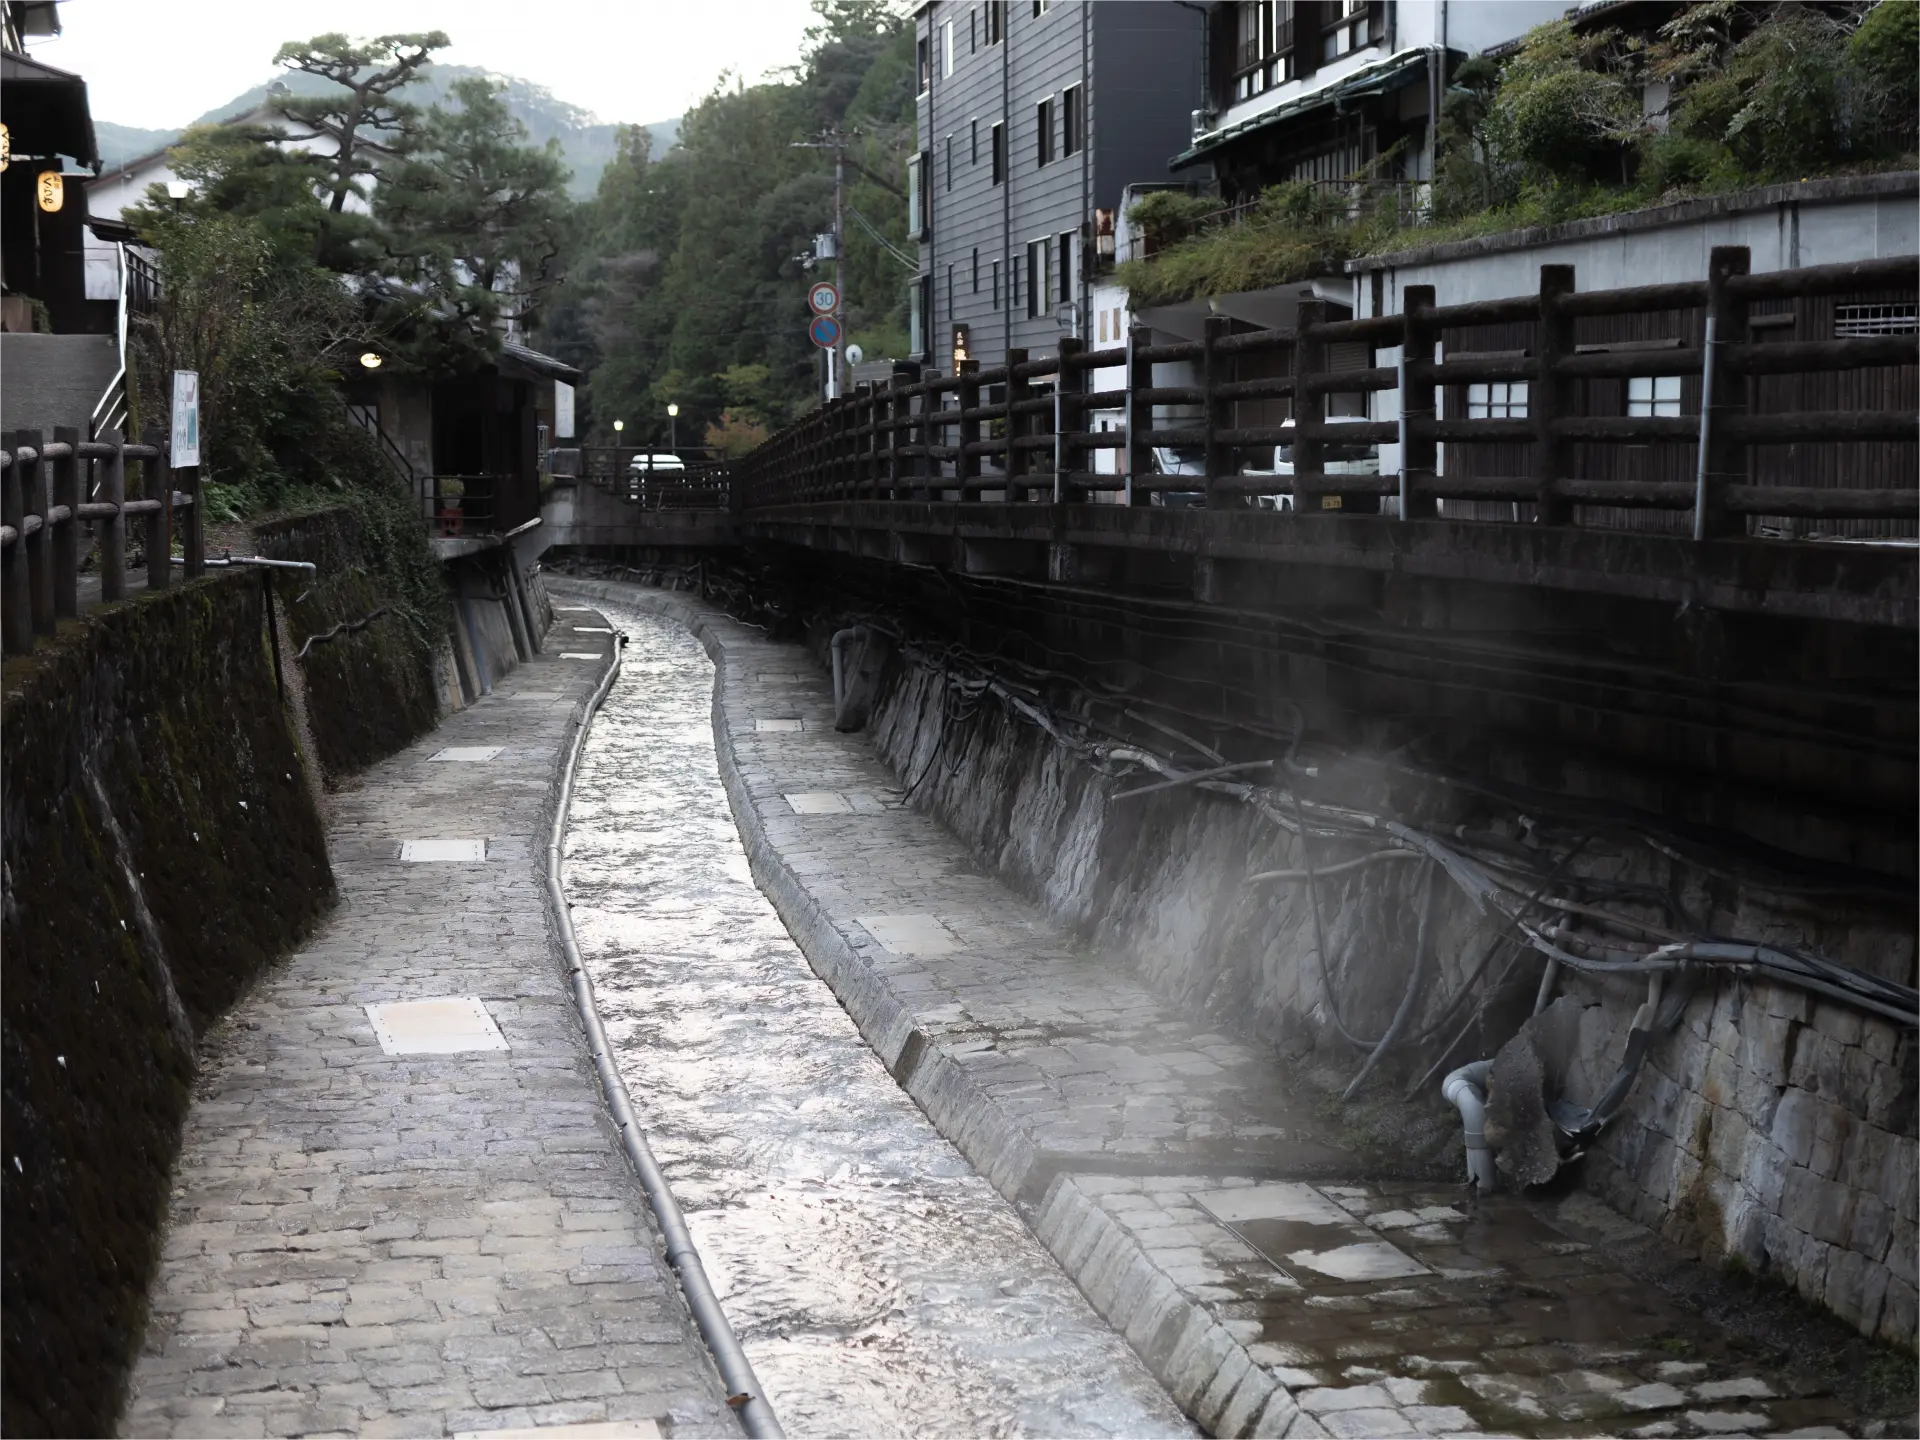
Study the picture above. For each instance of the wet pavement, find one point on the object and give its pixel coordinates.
(878, 1283)
(1334, 1307)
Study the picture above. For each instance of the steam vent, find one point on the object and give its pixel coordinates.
(1053, 720)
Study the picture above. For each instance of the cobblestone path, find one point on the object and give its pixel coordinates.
(1167, 1167)
(421, 1244)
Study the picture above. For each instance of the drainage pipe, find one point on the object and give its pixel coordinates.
(1465, 1089)
(841, 639)
(744, 1394)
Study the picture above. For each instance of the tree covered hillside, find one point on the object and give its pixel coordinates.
(683, 281)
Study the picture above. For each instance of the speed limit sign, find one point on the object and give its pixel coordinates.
(824, 298)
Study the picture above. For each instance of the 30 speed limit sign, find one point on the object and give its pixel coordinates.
(824, 298)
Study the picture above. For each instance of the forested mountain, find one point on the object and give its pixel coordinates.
(586, 145)
(683, 283)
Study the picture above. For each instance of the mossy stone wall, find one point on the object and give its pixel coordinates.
(370, 692)
(159, 836)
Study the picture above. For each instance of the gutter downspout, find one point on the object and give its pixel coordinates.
(1465, 1089)
(1006, 183)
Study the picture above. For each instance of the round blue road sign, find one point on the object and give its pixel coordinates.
(824, 331)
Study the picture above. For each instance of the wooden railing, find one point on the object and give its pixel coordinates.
(942, 438)
(48, 491)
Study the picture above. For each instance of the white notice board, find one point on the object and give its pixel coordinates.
(186, 418)
(562, 410)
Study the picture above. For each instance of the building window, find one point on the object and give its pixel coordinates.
(996, 284)
(917, 208)
(917, 314)
(976, 271)
(1856, 320)
(1653, 395)
(997, 143)
(949, 162)
(1043, 131)
(1348, 30)
(1502, 400)
(1070, 121)
(946, 46)
(1069, 242)
(950, 290)
(923, 62)
(1039, 277)
(993, 20)
(973, 32)
(1263, 57)
(1040, 7)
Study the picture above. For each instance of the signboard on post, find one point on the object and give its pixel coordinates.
(824, 331)
(186, 418)
(823, 299)
(562, 410)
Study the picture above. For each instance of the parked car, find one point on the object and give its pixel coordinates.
(1335, 460)
(1181, 460)
(650, 469)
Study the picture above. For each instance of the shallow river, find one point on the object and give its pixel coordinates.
(878, 1284)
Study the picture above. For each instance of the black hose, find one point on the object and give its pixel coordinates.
(1405, 1012)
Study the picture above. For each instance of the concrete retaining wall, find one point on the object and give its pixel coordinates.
(1768, 1128)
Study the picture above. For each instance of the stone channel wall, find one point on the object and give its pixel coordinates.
(1768, 1129)
(162, 845)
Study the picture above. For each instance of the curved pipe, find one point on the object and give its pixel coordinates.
(736, 1372)
(1465, 1089)
(841, 639)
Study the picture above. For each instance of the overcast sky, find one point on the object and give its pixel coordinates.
(625, 60)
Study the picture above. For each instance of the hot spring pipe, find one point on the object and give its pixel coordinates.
(736, 1371)
(841, 639)
(1465, 1089)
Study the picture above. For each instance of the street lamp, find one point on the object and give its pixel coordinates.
(673, 427)
(178, 190)
(618, 426)
(370, 360)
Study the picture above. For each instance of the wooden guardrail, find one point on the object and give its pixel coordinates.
(940, 437)
(49, 490)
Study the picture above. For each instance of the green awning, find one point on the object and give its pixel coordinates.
(1392, 73)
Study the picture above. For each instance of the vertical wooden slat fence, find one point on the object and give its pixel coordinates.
(983, 435)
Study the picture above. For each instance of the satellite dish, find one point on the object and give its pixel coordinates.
(855, 354)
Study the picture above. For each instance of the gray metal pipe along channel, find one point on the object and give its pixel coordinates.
(736, 1371)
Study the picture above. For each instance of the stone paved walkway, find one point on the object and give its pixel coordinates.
(418, 1244)
(1164, 1166)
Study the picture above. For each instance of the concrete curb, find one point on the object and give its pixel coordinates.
(1204, 1367)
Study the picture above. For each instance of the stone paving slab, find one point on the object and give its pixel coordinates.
(420, 1244)
(1082, 1094)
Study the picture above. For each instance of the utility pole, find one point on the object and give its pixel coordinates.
(836, 141)
(839, 385)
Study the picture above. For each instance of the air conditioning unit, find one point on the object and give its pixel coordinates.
(1202, 122)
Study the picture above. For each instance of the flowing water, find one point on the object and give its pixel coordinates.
(879, 1285)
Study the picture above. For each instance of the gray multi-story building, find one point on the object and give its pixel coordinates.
(1033, 116)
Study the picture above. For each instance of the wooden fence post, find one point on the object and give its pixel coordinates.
(39, 571)
(156, 483)
(1139, 417)
(1015, 461)
(966, 468)
(1215, 371)
(1309, 407)
(1723, 396)
(193, 540)
(16, 602)
(1419, 454)
(899, 407)
(925, 466)
(113, 529)
(64, 541)
(1069, 386)
(1551, 398)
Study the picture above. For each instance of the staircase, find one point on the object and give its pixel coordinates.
(54, 380)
